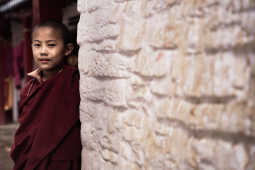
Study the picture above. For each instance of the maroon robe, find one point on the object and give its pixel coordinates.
(49, 134)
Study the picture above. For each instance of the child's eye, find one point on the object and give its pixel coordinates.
(51, 45)
(36, 45)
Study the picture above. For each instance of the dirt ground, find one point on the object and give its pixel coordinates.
(6, 139)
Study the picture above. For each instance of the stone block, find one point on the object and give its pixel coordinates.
(99, 64)
(96, 27)
(91, 6)
(130, 40)
(110, 92)
(152, 64)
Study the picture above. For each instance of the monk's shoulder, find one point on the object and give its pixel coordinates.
(72, 71)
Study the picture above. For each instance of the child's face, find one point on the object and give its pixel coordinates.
(48, 48)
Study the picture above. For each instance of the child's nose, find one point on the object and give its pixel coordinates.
(43, 50)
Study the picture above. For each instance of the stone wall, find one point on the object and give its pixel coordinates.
(167, 84)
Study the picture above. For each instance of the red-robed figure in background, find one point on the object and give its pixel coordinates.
(49, 134)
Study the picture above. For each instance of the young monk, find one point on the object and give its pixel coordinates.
(48, 137)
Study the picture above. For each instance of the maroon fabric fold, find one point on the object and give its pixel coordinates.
(49, 122)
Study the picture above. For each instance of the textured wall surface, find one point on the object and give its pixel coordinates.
(167, 84)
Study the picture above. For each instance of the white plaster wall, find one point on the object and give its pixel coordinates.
(167, 84)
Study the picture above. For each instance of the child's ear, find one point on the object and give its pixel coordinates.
(69, 49)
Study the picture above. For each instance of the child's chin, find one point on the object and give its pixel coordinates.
(46, 68)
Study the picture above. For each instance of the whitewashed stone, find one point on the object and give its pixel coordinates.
(109, 92)
(107, 65)
(167, 84)
(91, 6)
(149, 64)
(98, 27)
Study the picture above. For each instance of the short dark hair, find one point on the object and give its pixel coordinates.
(65, 33)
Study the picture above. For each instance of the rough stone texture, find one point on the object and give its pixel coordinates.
(167, 84)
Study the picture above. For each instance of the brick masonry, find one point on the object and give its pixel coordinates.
(167, 84)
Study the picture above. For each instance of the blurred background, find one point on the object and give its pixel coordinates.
(17, 18)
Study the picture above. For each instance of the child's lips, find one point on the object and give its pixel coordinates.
(44, 60)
